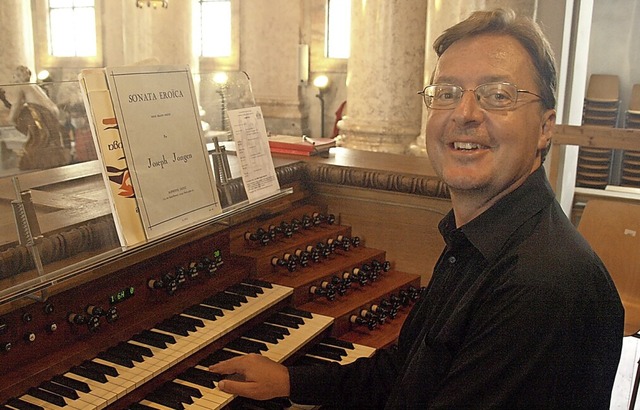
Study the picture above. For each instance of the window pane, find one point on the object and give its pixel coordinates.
(338, 28)
(62, 33)
(215, 28)
(85, 24)
(72, 28)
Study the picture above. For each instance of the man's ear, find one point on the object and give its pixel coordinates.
(547, 125)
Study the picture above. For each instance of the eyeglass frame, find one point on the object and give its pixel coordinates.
(478, 98)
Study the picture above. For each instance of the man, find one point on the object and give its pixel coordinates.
(520, 312)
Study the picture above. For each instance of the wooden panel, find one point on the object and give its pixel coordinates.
(612, 228)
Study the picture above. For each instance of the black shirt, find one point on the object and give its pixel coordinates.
(519, 313)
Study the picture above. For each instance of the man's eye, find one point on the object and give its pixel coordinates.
(444, 95)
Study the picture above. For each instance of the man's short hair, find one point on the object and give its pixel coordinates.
(525, 30)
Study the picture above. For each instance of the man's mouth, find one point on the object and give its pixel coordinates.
(466, 146)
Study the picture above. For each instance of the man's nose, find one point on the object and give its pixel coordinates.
(468, 109)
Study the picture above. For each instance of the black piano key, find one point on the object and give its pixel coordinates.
(178, 396)
(47, 396)
(284, 320)
(245, 290)
(204, 374)
(191, 321)
(142, 350)
(200, 377)
(102, 368)
(296, 319)
(247, 346)
(125, 354)
(89, 374)
(149, 341)
(191, 391)
(71, 383)
(159, 336)
(264, 336)
(204, 312)
(290, 310)
(174, 328)
(258, 282)
(63, 391)
(116, 359)
(217, 356)
(338, 342)
(219, 302)
(238, 300)
(254, 288)
(330, 352)
(274, 328)
(165, 401)
(23, 405)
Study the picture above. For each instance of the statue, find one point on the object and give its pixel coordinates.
(36, 116)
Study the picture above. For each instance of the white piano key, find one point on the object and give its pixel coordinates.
(155, 405)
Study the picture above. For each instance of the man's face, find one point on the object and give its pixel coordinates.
(484, 152)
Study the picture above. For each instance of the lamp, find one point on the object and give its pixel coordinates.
(44, 80)
(321, 82)
(154, 3)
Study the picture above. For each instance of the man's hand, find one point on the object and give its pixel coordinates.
(253, 376)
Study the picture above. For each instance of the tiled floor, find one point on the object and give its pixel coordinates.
(623, 385)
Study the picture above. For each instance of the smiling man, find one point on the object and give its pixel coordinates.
(520, 313)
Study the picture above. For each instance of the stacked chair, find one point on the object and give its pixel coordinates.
(601, 108)
(630, 175)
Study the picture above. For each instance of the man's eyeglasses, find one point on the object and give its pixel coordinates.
(490, 96)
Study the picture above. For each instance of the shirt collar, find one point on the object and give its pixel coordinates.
(489, 231)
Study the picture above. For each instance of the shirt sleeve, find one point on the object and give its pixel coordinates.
(365, 382)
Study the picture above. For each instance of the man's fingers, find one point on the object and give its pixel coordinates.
(229, 366)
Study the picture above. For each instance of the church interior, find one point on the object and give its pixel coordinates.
(72, 284)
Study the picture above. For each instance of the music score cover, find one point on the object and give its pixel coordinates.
(106, 138)
(161, 134)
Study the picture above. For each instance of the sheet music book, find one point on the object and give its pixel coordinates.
(106, 138)
(162, 139)
(250, 134)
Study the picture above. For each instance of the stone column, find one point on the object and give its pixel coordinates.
(385, 71)
(17, 38)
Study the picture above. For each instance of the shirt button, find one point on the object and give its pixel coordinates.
(452, 259)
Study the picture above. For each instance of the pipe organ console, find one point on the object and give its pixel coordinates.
(294, 285)
(302, 278)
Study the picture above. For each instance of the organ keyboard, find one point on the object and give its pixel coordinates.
(283, 334)
(166, 327)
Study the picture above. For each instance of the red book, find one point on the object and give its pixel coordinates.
(300, 144)
(290, 151)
